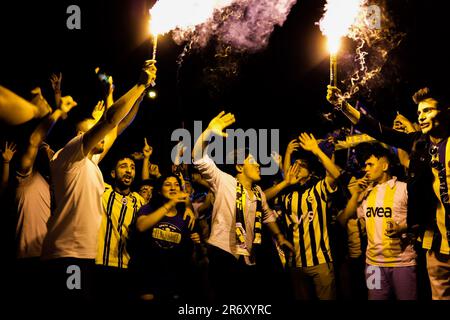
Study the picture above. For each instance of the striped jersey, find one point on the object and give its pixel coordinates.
(119, 213)
(440, 235)
(383, 206)
(307, 222)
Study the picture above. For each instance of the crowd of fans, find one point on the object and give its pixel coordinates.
(371, 224)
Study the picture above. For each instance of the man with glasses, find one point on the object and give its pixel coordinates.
(428, 201)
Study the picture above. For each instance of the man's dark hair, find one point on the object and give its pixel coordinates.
(121, 157)
(147, 182)
(378, 151)
(237, 156)
(432, 93)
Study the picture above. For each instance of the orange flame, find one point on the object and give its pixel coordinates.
(338, 19)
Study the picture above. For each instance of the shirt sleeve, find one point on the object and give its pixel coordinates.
(70, 155)
(325, 189)
(209, 171)
(144, 210)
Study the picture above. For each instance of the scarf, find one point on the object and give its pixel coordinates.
(241, 246)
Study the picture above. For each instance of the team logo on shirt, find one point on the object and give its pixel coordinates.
(166, 235)
(380, 212)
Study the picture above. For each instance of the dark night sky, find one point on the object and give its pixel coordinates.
(282, 86)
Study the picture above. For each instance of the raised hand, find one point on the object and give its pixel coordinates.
(111, 86)
(188, 213)
(147, 150)
(220, 122)
(137, 155)
(67, 104)
(308, 142)
(357, 186)
(9, 151)
(148, 74)
(99, 110)
(292, 176)
(401, 123)
(292, 146)
(56, 80)
(334, 96)
(154, 170)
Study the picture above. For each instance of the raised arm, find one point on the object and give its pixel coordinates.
(216, 126)
(309, 143)
(14, 110)
(147, 151)
(369, 125)
(119, 109)
(56, 80)
(7, 155)
(292, 146)
(335, 97)
(356, 188)
(41, 132)
(146, 222)
(290, 179)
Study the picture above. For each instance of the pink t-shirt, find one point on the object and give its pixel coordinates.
(33, 208)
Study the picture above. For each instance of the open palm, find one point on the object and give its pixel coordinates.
(220, 122)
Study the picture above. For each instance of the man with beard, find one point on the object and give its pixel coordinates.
(70, 245)
(120, 205)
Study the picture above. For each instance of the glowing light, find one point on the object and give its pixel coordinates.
(339, 17)
(168, 15)
(152, 94)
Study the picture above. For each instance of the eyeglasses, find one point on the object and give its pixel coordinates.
(439, 166)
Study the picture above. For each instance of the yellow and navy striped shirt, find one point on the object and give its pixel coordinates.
(306, 218)
(119, 213)
(441, 232)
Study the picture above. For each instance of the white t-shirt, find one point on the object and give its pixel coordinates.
(78, 187)
(33, 208)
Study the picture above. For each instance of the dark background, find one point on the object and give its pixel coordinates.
(283, 86)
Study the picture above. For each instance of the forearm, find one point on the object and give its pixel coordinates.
(109, 100)
(114, 115)
(330, 166)
(349, 211)
(57, 98)
(146, 222)
(287, 161)
(272, 192)
(5, 176)
(129, 118)
(118, 111)
(44, 128)
(350, 112)
(146, 169)
(15, 110)
(275, 230)
(201, 144)
(36, 138)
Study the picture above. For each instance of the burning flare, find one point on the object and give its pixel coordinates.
(339, 17)
(167, 15)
